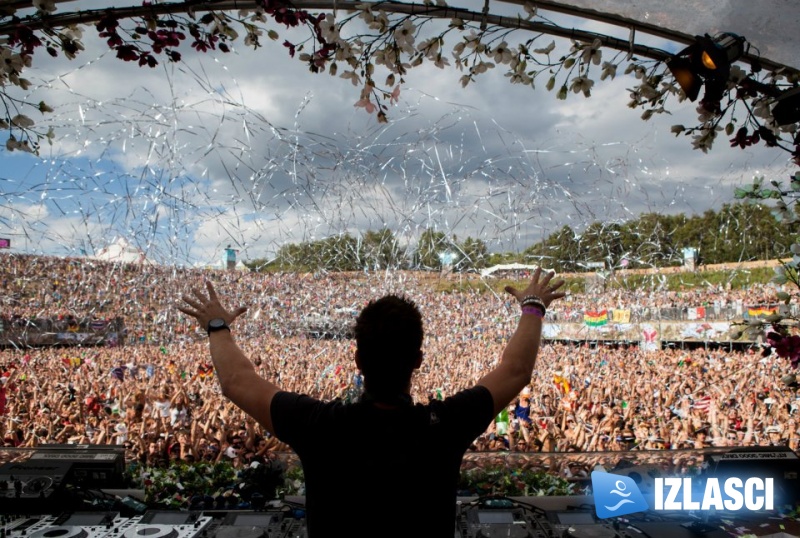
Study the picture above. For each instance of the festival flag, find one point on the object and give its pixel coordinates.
(621, 316)
(118, 372)
(696, 313)
(562, 383)
(501, 422)
(702, 404)
(761, 311)
(595, 319)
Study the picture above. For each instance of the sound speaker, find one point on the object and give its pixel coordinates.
(777, 462)
(99, 466)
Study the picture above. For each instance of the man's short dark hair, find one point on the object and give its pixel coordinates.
(389, 338)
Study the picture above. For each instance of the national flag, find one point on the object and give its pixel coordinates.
(205, 370)
(702, 404)
(696, 313)
(595, 318)
(761, 311)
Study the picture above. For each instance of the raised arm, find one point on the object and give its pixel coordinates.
(237, 376)
(514, 371)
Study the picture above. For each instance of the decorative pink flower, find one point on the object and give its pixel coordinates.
(787, 347)
(366, 104)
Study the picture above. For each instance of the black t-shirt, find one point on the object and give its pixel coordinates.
(374, 472)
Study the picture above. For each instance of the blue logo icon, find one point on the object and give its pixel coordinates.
(616, 495)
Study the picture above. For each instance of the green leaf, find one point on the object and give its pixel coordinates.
(779, 279)
(767, 193)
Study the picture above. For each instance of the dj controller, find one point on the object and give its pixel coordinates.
(156, 524)
(480, 518)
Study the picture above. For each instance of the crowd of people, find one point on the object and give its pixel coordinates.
(154, 390)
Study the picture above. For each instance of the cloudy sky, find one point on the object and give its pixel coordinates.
(251, 150)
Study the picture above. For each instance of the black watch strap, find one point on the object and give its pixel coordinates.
(216, 324)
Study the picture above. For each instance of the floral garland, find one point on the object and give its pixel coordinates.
(394, 41)
(202, 485)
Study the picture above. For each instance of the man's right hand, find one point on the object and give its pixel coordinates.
(542, 287)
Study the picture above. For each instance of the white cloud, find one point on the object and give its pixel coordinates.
(251, 149)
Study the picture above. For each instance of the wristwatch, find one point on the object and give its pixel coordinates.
(216, 324)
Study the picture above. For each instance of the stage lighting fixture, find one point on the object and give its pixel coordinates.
(705, 60)
(787, 107)
(689, 81)
(714, 56)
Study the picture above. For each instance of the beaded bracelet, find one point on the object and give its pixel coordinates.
(533, 310)
(534, 301)
(529, 297)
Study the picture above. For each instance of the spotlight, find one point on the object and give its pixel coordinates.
(715, 56)
(787, 107)
(706, 59)
(681, 68)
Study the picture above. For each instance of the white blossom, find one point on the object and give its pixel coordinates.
(328, 28)
(45, 6)
(252, 37)
(705, 139)
(609, 71)
(404, 36)
(502, 55)
(592, 53)
(482, 67)
(546, 50)
(441, 62)
(530, 11)
(73, 32)
(22, 121)
(582, 84)
(352, 77)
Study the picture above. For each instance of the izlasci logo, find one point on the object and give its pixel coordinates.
(616, 495)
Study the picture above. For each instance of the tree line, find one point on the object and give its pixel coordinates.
(737, 232)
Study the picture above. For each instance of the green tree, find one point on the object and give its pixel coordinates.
(474, 254)
(431, 243)
(380, 250)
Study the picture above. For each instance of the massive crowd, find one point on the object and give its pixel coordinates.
(154, 390)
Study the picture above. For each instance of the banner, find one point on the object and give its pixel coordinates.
(621, 316)
(696, 313)
(595, 319)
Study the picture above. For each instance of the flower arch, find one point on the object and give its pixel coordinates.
(376, 45)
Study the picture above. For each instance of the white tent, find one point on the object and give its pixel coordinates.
(121, 251)
(507, 267)
(221, 265)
